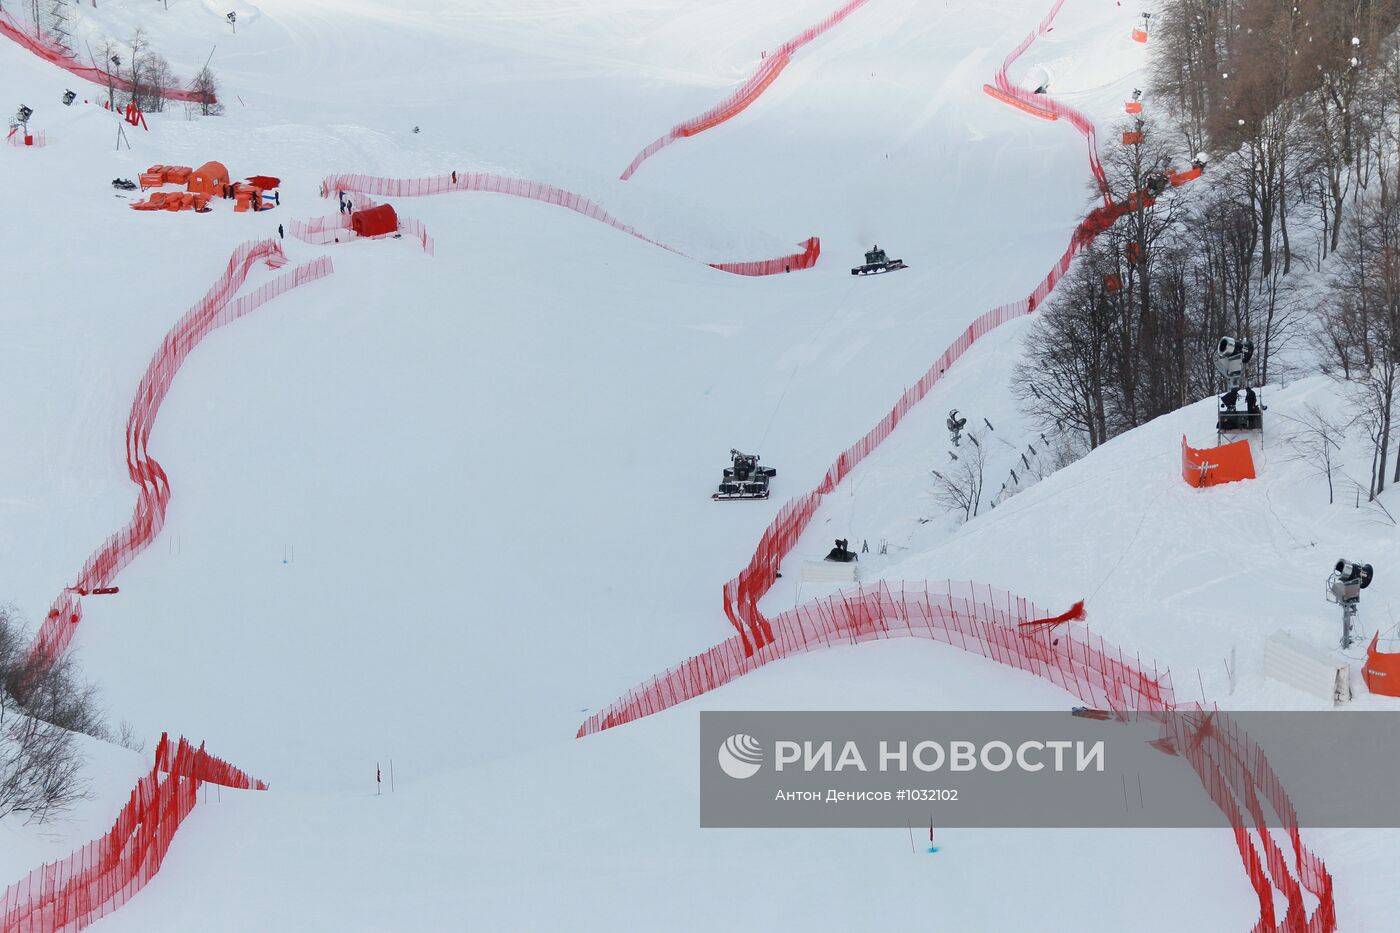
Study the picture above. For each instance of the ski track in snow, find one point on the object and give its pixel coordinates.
(1082, 123)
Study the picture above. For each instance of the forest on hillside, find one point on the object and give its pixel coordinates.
(1291, 239)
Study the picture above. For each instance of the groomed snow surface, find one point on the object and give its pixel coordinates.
(437, 510)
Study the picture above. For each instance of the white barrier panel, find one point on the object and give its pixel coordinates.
(1306, 667)
(828, 571)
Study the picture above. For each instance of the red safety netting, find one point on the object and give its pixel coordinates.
(325, 231)
(1013, 631)
(73, 893)
(741, 595)
(970, 616)
(769, 68)
(36, 139)
(216, 308)
(549, 194)
(12, 29)
(1043, 105)
(1235, 771)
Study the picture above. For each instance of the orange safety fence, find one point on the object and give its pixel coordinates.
(96, 880)
(1382, 670)
(736, 103)
(550, 194)
(1213, 466)
(11, 29)
(1020, 104)
(216, 308)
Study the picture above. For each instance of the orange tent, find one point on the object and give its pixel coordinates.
(210, 178)
(376, 221)
(1213, 466)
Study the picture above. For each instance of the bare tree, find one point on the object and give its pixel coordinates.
(958, 488)
(139, 46)
(40, 770)
(158, 79)
(1317, 441)
(1358, 334)
(206, 88)
(110, 54)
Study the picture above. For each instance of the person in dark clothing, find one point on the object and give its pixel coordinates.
(454, 178)
(280, 234)
(349, 206)
(277, 198)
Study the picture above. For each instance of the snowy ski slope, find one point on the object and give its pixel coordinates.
(438, 509)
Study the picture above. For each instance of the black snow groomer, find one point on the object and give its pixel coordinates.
(745, 479)
(877, 261)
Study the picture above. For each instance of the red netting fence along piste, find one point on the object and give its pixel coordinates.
(11, 29)
(218, 307)
(1013, 631)
(99, 878)
(550, 194)
(736, 103)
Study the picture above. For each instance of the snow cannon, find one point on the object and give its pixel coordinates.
(1231, 358)
(1348, 579)
(744, 478)
(1344, 588)
(876, 261)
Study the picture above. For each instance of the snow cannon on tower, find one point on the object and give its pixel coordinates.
(744, 479)
(1232, 358)
(876, 261)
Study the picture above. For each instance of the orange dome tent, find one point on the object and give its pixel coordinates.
(211, 178)
(376, 221)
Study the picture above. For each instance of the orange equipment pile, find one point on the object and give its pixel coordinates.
(210, 180)
(158, 175)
